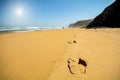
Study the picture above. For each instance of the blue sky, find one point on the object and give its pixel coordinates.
(49, 13)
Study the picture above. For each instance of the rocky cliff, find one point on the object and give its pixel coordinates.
(109, 17)
(82, 23)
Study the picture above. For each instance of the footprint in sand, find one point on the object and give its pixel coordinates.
(76, 67)
(69, 42)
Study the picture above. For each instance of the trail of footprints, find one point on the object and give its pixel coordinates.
(78, 66)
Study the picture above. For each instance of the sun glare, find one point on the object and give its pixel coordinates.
(19, 11)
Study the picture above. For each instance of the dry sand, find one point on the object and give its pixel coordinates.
(68, 54)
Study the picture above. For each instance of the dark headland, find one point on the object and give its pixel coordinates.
(108, 18)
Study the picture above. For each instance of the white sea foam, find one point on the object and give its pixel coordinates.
(25, 29)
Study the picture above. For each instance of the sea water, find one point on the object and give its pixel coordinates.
(6, 29)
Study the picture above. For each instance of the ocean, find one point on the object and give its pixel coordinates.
(24, 29)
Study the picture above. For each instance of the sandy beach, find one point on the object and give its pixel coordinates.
(65, 54)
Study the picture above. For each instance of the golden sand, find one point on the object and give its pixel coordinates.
(68, 54)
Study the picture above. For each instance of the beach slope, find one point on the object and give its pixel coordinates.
(66, 54)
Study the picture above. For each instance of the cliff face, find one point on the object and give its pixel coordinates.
(82, 23)
(109, 17)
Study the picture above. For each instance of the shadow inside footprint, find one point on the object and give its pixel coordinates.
(82, 62)
(69, 42)
(69, 66)
(74, 41)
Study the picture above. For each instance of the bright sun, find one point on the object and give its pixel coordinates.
(19, 12)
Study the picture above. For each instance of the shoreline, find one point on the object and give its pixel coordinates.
(24, 31)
